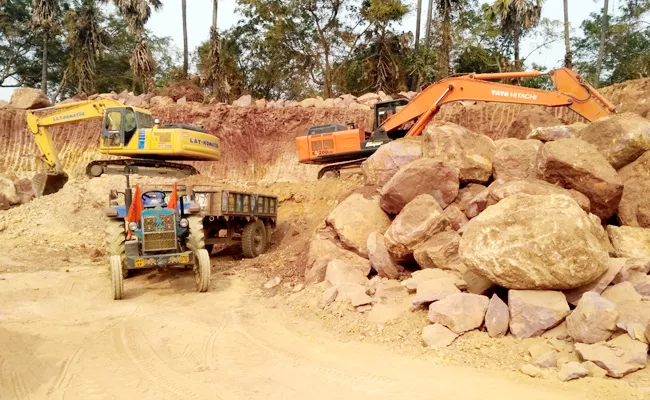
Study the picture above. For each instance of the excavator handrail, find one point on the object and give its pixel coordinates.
(572, 92)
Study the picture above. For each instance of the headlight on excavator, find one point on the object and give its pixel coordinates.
(133, 226)
(183, 223)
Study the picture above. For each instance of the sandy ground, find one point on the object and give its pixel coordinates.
(63, 338)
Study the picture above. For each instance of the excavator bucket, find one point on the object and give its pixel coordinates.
(45, 183)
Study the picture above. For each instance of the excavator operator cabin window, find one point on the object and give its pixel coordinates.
(130, 125)
(113, 121)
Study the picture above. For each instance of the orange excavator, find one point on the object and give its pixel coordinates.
(340, 147)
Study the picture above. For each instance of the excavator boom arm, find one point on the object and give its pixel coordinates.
(572, 92)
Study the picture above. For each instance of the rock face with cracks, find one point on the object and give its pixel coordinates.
(380, 260)
(419, 220)
(593, 320)
(516, 159)
(534, 242)
(471, 153)
(460, 312)
(424, 176)
(619, 356)
(355, 218)
(620, 138)
(389, 158)
(534, 311)
(630, 242)
(576, 164)
(497, 317)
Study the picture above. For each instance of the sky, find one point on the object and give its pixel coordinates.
(167, 22)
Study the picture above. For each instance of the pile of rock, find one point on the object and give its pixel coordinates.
(536, 238)
(14, 192)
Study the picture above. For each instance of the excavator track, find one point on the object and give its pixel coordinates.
(335, 169)
(139, 166)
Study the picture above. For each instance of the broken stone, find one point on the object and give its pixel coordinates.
(437, 336)
(634, 208)
(423, 176)
(380, 260)
(460, 312)
(466, 194)
(470, 152)
(547, 360)
(619, 356)
(418, 221)
(417, 277)
(530, 370)
(594, 370)
(440, 251)
(244, 101)
(273, 282)
(497, 317)
(534, 242)
(533, 312)
(338, 272)
(389, 158)
(634, 270)
(353, 292)
(572, 370)
(635, 330)
(29, 99)
(329, 295)
(355, 218)
(622, 293)
(434, 290)
(477, 284)
(560, 332)
(593, 320)
(575, 164)
(516, 159)
(615, 265)
(382, 314)
(321, 251)
(524, 124)
(457, 218)
(550, 133)
(629, 241)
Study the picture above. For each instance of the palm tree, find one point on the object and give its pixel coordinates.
(417, 24)
(137, 13)
(427, 37)
(185, 52)
(215, 77)
(603, 37)
(44, 17)
(87, 40)
(516, 17)
(568, 54)
(445, 8)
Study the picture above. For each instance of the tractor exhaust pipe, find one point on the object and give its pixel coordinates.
(45, 183)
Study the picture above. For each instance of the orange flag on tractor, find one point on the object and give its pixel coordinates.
(173, 198)
(136, 207)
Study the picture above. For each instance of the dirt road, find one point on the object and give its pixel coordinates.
(62, 338)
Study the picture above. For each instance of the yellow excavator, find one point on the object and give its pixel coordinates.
(126, 131)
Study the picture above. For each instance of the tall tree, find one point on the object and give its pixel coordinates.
(44, 18)
(568, 54)
(137, 13)
(603, 38)
(215, 77)
(445, 9)
(516, 17)
(87, 39)
(427, 37)
(185, 51)
(418, 22)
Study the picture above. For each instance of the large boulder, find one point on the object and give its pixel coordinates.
(423, 176)
(550, 133)
(535, 242)
(355, 218)
(634, 208)
(500, 190)
(532, 312)
(593, 320)
(575, 164)
(29, 99)
(380, 260)
(629, 241)
(389, 158)
(440, 251)
(460, 312)
(619, 356)
(516, 159)
(321, 251)
(339, 272)
(419, 220)
(620, 138)
(527, 121)
(470, 152)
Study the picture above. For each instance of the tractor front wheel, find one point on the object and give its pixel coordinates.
(115, 239)
(202, 270)
(117, 281)
(196, 238)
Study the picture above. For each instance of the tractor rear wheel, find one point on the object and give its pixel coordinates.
(253, 239)
(202, 270)
(115, 239)
(117, 281)
(196, 239)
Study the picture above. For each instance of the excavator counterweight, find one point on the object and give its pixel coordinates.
(339, 147)
(126, 131)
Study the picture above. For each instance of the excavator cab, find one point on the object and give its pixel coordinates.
(121, 124)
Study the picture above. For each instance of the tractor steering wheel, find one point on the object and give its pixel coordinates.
(154, 198)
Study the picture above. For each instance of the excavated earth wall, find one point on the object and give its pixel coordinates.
(258, 144)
